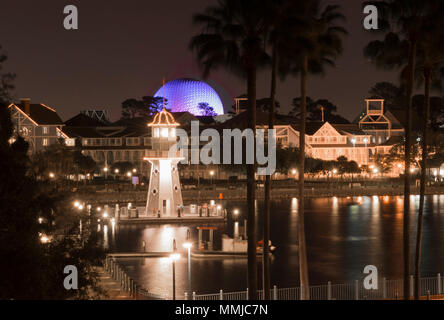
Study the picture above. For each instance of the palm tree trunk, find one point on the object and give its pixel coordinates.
(251, 189)
(303, 267)
(428, 79)
(408, 129)
(265, 257)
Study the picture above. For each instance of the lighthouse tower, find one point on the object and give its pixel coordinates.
(164, 192)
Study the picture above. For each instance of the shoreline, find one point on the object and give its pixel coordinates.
(201, 196)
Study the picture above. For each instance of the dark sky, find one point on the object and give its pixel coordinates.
(123, 49)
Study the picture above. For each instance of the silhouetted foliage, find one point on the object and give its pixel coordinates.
(206, 109)
(31, 269)
(6, 79)
(314, 110)
(147, 106)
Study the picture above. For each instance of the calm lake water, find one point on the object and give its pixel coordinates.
(343, 236)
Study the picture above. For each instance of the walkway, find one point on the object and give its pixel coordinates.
(111, 287)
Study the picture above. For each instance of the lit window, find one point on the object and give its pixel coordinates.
(164, 132)
(45, 142)
(156, 132)
(45, 130)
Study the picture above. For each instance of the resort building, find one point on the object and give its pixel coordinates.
(38, 124)
(379, 123)
(323, 140)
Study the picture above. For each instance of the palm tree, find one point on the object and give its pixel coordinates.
(232, 36)
(316, 45)
(406, 19)
(282, 22)
(431, 53)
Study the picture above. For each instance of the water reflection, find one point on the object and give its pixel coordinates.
(343, 236)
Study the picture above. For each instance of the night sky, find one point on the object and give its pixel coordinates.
(123, 49)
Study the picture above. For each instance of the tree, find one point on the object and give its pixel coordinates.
(232, 36)
(281, 22)
(34, 270)
(147, 106)
(403, 23)
(318, 110)
(56, 158)
(392, 94)
(317, 44)
(206, 110)
(266, 104)
(436, 106)
(84, 164)
(6, 79)
(431, 60)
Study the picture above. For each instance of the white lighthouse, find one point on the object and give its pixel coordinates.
(164, 192)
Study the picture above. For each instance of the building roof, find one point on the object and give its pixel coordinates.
(350, 128)
(42, 114)
(82, 120)
(163, 118)
(81, 132)
(240, 121)
(310, 127)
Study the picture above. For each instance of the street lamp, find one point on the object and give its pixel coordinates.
(52, 175)
(174, 257)
(212, 174)
(353, 141)
(187, 245)
(106, 172)
(116, 171)
(134, 170)
(44, 239)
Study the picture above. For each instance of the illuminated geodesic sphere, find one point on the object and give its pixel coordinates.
(186, 94)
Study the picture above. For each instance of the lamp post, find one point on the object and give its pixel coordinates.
(174, 257)
(79, 207)
(236, 225)
(212, 174)
(294, 172)
(353, 141)
(106, 172)
(188, 246)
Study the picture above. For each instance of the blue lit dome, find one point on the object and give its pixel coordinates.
(186, 94)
